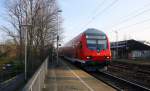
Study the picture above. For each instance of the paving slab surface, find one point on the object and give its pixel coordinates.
(68, 78)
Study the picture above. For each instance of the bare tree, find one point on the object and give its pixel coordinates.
(40, 19)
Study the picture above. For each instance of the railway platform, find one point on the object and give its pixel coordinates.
(65, 77)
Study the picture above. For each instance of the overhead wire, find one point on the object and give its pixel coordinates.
(98, 6)
(96, 9)
(134, 16)
(129, 17)
(101, 12)
(143, 21)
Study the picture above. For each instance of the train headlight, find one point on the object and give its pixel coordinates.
(88, 57)
(107, 57)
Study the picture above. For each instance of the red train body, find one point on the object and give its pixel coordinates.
(91, 47)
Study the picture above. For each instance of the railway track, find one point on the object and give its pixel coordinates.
(127, 68)
(136, 74)
(119, 83)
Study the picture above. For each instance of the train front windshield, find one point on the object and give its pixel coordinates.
(97, 42)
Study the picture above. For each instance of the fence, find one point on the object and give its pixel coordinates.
(36, 83)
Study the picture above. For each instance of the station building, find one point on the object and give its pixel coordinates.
(130, 49)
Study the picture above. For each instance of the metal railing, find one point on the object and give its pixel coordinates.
(36, 83)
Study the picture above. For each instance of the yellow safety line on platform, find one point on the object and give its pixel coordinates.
(82, 81)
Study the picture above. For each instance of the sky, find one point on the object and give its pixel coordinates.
(2, 20)
(130, 18)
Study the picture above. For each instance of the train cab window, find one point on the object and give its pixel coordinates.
(101, 44)
(91, 44)
(96, 44)
(80, 45)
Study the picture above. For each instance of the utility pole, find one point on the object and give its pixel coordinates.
(57, 35)
(116, 32)
(26, 45)
(57, 49)
(26, 41)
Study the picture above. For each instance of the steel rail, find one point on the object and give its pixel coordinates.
(143, 88)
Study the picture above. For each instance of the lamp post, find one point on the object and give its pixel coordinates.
(57, 34)
(26, 45)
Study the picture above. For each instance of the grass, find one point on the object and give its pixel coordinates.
(10, 71)
(17, 65)
(5, 60)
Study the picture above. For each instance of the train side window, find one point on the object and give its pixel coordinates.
(80, 45)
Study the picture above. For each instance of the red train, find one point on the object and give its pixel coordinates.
(90, 48)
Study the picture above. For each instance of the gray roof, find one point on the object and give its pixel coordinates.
(94, 31)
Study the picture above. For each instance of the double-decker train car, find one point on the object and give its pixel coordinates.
(90, 48)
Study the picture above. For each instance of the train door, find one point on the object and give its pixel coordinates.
(79, 50)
